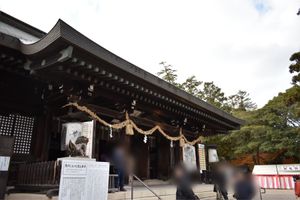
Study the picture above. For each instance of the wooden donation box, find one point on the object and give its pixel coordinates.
(83, 179)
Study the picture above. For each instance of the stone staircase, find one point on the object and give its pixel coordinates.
(166, 192)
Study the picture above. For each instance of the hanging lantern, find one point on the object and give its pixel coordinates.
(145, 139)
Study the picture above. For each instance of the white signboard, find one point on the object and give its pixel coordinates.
(87, 131)
(189, 157)
(213, 155)
(283, 169)
(288, 169)
(83, 180)
(71, 131)
(4, 163)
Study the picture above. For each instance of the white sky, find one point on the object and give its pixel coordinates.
(238, 44)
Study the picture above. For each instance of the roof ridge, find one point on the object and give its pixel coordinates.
(21, 25)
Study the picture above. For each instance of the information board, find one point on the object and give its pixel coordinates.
(83, 180)
(6, 151)
(202, 158)
(288, 169)
(4, 163)
(189, 157)
(213, 156)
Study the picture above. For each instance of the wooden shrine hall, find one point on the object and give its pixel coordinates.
(41, 72)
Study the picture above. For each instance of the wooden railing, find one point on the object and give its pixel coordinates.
(39, 175)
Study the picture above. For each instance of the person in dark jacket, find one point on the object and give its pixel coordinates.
(244, 186)
(220, 181)
(184, 187)
(119, 161)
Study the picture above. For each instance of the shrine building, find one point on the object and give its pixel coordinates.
(42, 72)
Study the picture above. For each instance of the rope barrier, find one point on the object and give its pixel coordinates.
(130, 125)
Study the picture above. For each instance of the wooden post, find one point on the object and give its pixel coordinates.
(94, 151)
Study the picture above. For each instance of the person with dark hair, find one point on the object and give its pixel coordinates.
(244, 187)
(220, 180)
(119, 162)
(184, 187)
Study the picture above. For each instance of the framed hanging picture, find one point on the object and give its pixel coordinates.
(77, 138)
(189, 157)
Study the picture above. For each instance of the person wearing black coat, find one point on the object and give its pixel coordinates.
(219, 179)
(244, 187)
(184, 187)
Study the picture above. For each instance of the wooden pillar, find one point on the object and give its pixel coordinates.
(127, 140)
(164, 157)
(140, 152)
(178, 157)
(95, 149)
(41, 139)
(172, 160)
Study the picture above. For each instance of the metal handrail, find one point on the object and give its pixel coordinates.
(260, 192)
(144, 184)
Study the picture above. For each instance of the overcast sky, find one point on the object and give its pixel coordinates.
(238, 44)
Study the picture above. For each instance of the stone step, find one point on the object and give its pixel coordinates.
(202, 196)
(166, 192)
(151, 182)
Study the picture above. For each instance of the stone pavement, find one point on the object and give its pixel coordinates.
(205, 192)
(279, 195)
(166, 192)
